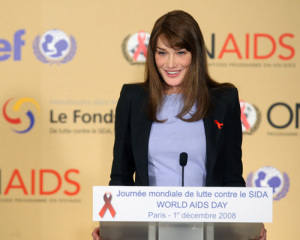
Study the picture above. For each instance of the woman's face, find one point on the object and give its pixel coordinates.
(172, 64)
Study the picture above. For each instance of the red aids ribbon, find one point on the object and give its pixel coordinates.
(219, 124)
(141, 47)
(107, 205)
(243, 115)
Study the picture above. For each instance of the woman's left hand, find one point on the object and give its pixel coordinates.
(263, 233)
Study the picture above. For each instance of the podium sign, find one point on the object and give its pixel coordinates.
(182, 204)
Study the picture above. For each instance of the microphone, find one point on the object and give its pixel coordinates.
(183, 157)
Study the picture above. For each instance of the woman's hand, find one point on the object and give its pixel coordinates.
(96, 234)
(263, 233)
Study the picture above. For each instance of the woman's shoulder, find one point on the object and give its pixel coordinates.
(134, 90)
(224, 94)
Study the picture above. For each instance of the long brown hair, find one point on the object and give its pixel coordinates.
(180, 30)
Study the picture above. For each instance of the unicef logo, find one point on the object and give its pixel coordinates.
(270, 177)
(29, 122)
(250, 117)
(135, 47)
(54, 46)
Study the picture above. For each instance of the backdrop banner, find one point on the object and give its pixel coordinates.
(63, 64)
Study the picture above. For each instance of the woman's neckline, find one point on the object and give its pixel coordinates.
(173, 94)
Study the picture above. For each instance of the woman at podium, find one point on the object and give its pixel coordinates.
(178, 109)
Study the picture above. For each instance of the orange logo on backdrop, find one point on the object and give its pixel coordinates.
(38, 177)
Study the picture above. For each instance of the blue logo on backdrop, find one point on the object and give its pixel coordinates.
(54, 46)
(270, 177)
(8, 48)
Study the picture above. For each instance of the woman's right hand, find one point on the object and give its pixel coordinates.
(96, 234)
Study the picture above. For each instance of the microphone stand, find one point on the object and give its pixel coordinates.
(183, 161)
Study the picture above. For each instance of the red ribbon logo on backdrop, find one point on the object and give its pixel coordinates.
(250, 117)
(107, 205)
(243, 115)
(141, 47)
(135, 46)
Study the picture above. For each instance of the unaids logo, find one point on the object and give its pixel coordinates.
(270, 177)
(135, 47)
(54, 46)
(250, 117)
(18, 121)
